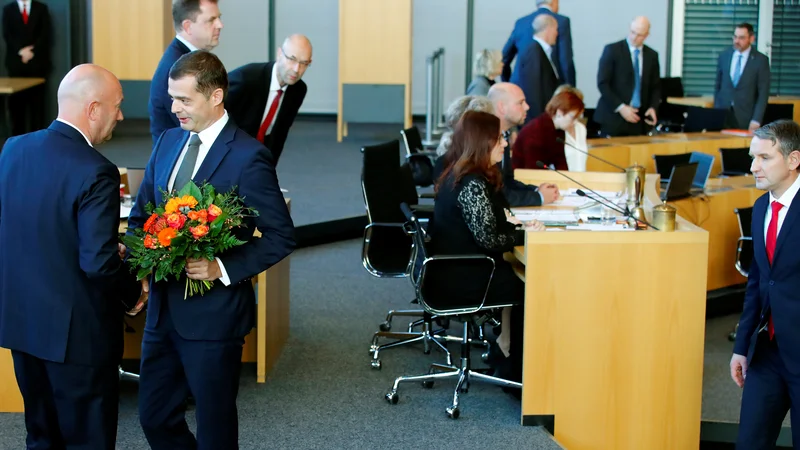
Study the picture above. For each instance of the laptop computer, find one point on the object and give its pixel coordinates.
(704, 164)
(704, 119)
(680, 182)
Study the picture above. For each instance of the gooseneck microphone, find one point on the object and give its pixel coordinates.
(562, 141)
(616, 208)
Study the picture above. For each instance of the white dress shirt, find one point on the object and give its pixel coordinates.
(188, 44)
(786, 201)
(207, 138)
(745, 56)
(273, 87)
(76, 128)
(576, 161)
(548, 50)
(24, 4)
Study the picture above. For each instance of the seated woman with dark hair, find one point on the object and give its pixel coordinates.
(470, 218)
(542, 139)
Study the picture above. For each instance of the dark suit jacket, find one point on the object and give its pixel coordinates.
(18, 35)
(773, 289)
(522, 37)
(537, 141)
(247, 100)
(159, 106)
(234, 160)
(63, 282)
(615, 80)
(534, 75)
(749, 97)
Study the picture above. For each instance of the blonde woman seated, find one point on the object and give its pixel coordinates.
(453, 115)
(488, 66)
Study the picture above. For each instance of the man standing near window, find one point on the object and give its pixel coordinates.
(742, 81)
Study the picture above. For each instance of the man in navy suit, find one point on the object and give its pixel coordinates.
(198, 24)
(766, 355)
(522, 37)
(536, 73)
(742, 81)
(194, 346)
(65, 288)
(264, 98)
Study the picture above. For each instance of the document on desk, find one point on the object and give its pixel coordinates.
(545, 215)
(599, 227)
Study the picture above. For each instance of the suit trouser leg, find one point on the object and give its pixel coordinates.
(765, 400)
(71, 406)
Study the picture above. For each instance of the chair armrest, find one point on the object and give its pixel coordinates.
(459, 257)
(384, 224)
(423, 211)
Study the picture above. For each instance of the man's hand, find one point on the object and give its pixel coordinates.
(650, 117)
(202, 269)
(739, 369)
(142, 299)
(121, 249)
(549, 193)
(534, 225)
(26, 53)
(753, 126)
(630, 114)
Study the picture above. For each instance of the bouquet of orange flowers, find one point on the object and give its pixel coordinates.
(196, 222)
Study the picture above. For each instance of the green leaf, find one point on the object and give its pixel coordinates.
(148, 208)
(143, 273)
(134, 243)
(178, 244)
(191, 189)
(216, 225)
(210, 193)
(162, 271)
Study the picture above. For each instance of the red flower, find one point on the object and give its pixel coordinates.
(148, 226)
(199, 231)
(176, 220)
(160, 224)
(149, 241)
(213, 212)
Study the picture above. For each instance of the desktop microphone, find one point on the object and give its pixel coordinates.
(611, 205)
(562, 141)
(541, 165)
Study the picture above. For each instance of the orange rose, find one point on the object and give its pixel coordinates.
(149, 242)
(160, 224)
(176, 220)
(165, 236)
(199, 231)
(200, 216)
(213, 212)
(148, 226)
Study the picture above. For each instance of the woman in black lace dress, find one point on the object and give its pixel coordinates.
(470, 217)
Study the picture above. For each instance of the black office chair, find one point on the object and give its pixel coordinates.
(744, 249)
(419, 159)
(470, 311)
(778, 111)
(386, 249)
(735, 161)
(699, 119)
(671, 117)
(593, 129)
(123, 375)
(665, 163)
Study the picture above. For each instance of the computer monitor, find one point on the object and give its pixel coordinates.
(680, 182)
(665, 163)
(735, 161)
(704, 119)
(704, 164)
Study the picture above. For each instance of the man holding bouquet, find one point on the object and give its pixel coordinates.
(193, 344)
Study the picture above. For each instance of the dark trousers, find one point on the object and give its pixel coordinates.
(68, 406)
(769, 392)
(174, 367)
(27, 109)
(506, 288)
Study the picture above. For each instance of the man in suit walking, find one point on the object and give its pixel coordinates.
(766, 355)
(26, 30)
(195, 345)
(264, 98)
(536, 73)
(62, 303)
(629, 80)
(742, 81)
(522, 37)
(198, 24)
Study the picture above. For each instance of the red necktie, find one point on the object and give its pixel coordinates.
(25, 13)
(772, 237)
(273, 108)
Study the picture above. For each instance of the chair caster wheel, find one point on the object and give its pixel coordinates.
(385, 326)
(372, 348)
(453, 413)
(376, 364)
(392, 397)
(427, 384)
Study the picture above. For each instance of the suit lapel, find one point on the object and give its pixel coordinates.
(759, 215)
(216, 153)
(628, 64)
(749, 68)
(164, 172)
(786, 228)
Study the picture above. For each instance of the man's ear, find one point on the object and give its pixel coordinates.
(794, 160)
(217, 97)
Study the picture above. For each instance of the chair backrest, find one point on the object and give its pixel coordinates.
(671, 87)
(745, 217)
(735, 161)
(665, 163)
(429, 290)
(704, 119)
(777, 111)
(744, 246)
(412, 140)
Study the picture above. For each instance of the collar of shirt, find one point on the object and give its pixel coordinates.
(24, 3)
(76, 128)
(632, 48)
(788, 196)
(185, 42)
(745, 54)
(547, 7)
(274, 85)
(548, 49)
(210, 134)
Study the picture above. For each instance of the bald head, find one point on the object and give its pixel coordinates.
(545, 28)
(89, 97)
(509, 104)
(640, 29)
(294, 57)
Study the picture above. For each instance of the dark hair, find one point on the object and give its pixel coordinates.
(185, 9)
(208, 71)
(566, 102)
(748, 27)
(474, 138)
(784, 133)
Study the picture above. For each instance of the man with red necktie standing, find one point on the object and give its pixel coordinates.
(26, 31)
(766, 356)
(264, 98)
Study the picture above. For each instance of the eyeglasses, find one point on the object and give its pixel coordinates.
(295, 60)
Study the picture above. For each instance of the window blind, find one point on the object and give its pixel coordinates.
(785, 58)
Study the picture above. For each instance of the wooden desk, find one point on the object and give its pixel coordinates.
(614, 338)
(707, 101)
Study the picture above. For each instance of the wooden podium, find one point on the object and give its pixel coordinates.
(614, 329)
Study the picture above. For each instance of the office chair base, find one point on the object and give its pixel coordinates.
(387, 324)
(127, 376)
(425, 336)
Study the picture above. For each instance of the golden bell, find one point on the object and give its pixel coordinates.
(634, 177)
(664, 217)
